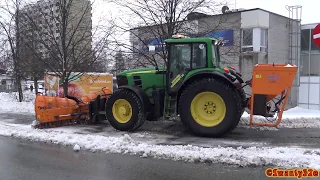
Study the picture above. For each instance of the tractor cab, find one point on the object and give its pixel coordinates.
(187, 56)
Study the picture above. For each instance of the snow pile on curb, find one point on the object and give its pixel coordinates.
(10, 104)
(296, 117)
(253, 156)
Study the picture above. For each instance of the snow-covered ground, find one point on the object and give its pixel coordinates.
(253, 156)
(9, 103)
(136, 144)
(296, 117)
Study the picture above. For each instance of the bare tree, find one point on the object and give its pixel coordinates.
(64, 37)
(119, 64)
(9, 25)
(153, 21)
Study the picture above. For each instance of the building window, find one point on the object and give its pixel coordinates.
(247, 37)
(312, 67)
(314, 64)
(199, 59)
(263, 40)
(305, 39)
(263, 36)
(304, 65)
(255, 39)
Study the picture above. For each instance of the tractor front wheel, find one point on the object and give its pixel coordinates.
(124, 110)
(209, 107)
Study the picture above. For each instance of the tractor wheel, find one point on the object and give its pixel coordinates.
(210, 107)
(124, 110)
(243, 97)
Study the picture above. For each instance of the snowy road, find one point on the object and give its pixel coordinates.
(173, 133)
(25, 161)
(163, 140)
(294, 144)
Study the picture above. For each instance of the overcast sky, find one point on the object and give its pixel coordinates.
(310, 8)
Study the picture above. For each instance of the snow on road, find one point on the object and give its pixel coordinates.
(118, 143)
(253, 156)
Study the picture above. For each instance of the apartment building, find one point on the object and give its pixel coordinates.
(43, 21)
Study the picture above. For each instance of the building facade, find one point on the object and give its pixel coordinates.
(309, 90)
(251, 37)
(46, 25)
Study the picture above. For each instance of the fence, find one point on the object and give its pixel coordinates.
(8, 88)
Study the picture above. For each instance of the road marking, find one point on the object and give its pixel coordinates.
(316, 36)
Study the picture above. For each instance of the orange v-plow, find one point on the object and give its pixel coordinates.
(55, 111)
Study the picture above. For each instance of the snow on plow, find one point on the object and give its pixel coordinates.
(270, 81)
(56, 111)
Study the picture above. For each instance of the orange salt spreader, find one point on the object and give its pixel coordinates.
(56, 111)
(270, 82)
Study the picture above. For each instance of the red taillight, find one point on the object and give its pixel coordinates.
(226, 70)
(233, 68)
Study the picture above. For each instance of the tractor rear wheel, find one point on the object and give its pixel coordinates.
(124, 110)
(210, 107)
(243, 97)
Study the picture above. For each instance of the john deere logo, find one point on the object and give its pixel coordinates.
(273, 78)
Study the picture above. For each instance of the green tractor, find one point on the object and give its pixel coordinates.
(208, 98)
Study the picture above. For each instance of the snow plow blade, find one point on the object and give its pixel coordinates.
(270, 81)
(55, 111)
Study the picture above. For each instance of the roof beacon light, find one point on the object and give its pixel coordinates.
(179, 36)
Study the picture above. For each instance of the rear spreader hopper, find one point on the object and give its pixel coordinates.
(270, 83)
(56, 111)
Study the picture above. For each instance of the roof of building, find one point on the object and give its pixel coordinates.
(309, 26)
(245, 10)
(253, 9)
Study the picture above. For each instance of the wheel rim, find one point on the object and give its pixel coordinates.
(208, 109)
(122, 111)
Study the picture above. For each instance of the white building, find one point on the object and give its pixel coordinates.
(309, 89)
(252, 36)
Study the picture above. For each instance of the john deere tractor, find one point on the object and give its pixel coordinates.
(208, 98)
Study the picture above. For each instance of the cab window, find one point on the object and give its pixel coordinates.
(199, 58)
(180, 56)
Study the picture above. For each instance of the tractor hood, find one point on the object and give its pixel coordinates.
(139, 71)
(145, 78)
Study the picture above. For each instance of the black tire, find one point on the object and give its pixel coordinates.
(138, 116)
(230, 97)
(243, 97)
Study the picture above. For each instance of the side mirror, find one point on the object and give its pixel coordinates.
(152, 49)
